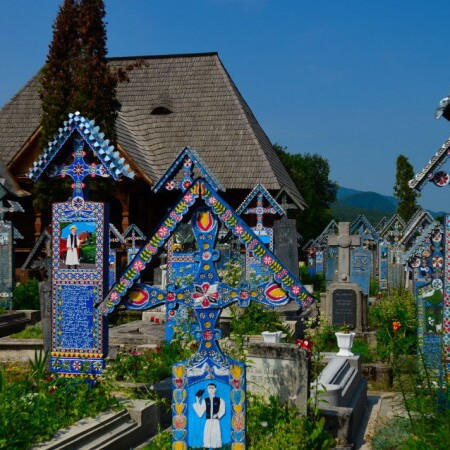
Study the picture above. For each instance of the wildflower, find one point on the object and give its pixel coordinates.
(306, 344)
(396, 326)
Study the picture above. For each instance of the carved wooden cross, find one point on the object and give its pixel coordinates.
(78, 170)
(344, 241)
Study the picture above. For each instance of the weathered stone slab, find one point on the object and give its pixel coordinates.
(280, 370)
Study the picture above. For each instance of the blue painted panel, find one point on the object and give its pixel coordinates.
(361, 268)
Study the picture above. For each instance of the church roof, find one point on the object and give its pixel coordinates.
(170, 102)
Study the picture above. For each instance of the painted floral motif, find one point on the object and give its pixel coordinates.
(76, 365)
(170, 185)
(206, 294)
(267, 260)
(163, 232)
(212, 200)
(138, 265)
(295, 289)
(188, 198)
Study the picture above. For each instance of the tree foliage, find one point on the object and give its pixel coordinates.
(407, 197)
(76, 76)
(310, 173)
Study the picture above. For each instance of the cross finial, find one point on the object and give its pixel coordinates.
(78, 170)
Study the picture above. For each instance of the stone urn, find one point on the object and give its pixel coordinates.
(272, 337)
(345, 343)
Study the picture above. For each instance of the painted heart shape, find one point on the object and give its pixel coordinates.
(179, 395)
(236, 383)
(179, 383)
(179, 435)
(238, 436)
(237, 397)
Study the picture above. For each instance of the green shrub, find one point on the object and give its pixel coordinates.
(36, 406)
(318, 280)
(149, 366)
(255, 319)
(275, 426)
(396, 306)
(26, 295)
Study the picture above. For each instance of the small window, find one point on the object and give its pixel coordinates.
(161, 111)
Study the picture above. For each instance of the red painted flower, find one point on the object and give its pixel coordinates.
(170, 296)
(208, 335)
(114, 296)
(206, 294)
(170, 185)
(186, 184)
(244, 295)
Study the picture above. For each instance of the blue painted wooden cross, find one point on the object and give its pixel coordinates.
(79, 333)
(209, 389)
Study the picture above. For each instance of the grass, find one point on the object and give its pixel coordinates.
(30, 332)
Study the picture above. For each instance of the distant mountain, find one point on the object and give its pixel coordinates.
(351, 203)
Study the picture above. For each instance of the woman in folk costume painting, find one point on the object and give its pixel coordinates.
(72, 245)
(214, 407)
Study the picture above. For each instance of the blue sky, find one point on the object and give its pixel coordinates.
(356, 81)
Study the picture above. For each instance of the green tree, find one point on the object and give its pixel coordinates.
(76, 76)
(407, 197)
(311, 175)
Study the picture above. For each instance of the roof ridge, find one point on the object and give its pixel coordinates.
(169, 55)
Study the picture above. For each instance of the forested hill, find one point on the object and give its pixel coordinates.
(351, 203)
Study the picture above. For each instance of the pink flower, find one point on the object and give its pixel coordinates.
(163, 232)
(267, 260)
(295, 289)
(138, 265)
(238, 230)
(212, 200)
(188, 198)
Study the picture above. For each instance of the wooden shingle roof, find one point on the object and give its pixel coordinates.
(171, 102)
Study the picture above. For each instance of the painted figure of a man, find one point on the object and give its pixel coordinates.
(72, 245)
(214, 407)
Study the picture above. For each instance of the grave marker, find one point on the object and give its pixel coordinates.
(80, 235)
(344, 241)
(209, 374)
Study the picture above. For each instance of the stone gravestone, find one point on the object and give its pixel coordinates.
(361, 268)
(279, 370)
(343, 301)
(285, 243)
(80, 235)
(7, 272)
(209, 379)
